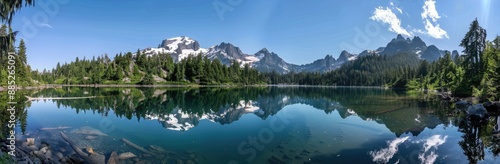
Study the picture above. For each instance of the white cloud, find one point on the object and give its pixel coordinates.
(386, 154)
(429, 14)
(419, 31)
(395, 7)
(430, 11)
(435, 31)
(430, 17)
(387, 16)
(45, 25)
(400, 11)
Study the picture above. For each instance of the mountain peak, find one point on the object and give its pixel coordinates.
(432, 53)
(174, 43)
(345, 56)
(400, 38)
(329, 57)
(417, 42)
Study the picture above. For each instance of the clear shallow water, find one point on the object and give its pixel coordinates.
(264, 125)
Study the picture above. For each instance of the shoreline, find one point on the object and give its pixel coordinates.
(183, 86)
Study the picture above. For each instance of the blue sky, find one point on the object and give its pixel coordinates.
(298, 31)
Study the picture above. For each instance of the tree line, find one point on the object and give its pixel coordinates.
(475, 73)
(147, 69)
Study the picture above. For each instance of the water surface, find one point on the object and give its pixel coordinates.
(264, 125)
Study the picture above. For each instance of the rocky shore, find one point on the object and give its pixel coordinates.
(472, 106)
(65, 145)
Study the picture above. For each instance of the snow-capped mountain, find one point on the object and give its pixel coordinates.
(266, 61)
(226, 52)
(269, 61)
(179, 48)
(346, 56)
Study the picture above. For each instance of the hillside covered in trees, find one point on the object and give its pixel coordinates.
(147, 70)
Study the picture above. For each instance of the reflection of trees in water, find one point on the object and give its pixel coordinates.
(20, 115)
(129, 102)
(492, 140)
(472, 144)
(479, 135)
(143, 102)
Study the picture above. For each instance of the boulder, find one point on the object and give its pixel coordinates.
(30, 141)
(492, 106)
(44, 149)
(127, 155)
(59, 155)
(48, 155)
(476, 112)
(113, 158)
(32, 148)
(89, 150)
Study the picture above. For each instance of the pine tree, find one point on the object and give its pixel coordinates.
(474, 44)
(22, 52)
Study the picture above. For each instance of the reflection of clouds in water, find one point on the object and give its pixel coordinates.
(428, 155)
(431, 142)
(384, 155)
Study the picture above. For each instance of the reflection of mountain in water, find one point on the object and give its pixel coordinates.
(183, 109)
(183, 120)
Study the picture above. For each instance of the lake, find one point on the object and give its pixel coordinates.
(260, 125)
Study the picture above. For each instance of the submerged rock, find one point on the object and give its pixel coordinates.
(32, 148)
(48, 155)
(87, 130)
(90, 150)
(127, 155)
(44, 149)
(30, 141)
(59, 155)
(113, 158)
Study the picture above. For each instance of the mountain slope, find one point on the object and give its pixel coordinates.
(265, 61)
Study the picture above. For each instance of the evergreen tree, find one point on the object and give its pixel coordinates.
(474, 43)
(22, 52)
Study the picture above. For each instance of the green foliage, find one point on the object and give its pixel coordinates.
(9, 7)
(474, 43)
(22, 69)
(393, 71)
(148, 80)
(489, 87)
(193, 69)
